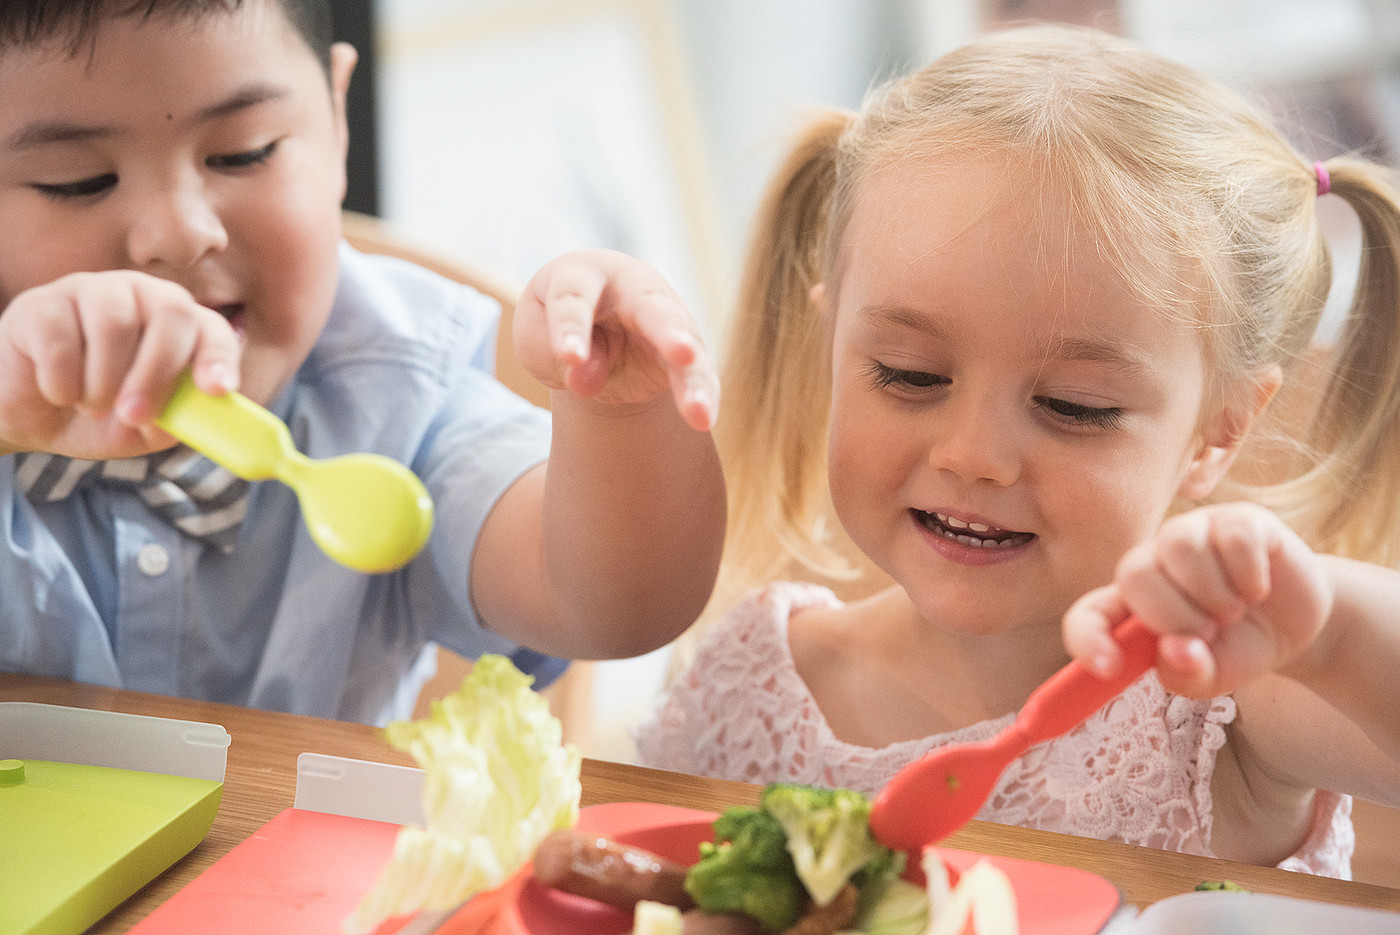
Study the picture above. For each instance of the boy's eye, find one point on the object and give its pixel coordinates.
(83, 188)
(1105, 418)
(882, 376)
(252, 157)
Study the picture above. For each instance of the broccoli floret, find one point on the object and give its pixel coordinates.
(748, 869)
(828, 835)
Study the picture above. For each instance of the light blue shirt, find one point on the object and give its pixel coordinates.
(97, 588)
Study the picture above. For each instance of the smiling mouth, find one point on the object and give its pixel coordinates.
(977, 535)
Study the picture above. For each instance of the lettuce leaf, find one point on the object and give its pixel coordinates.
(497, 778)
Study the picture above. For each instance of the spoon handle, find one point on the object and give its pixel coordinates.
(1073, 693)
(231, 430)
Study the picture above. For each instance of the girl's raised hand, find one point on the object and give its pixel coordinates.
(1234, 592)
(608, 328)
(88, 360)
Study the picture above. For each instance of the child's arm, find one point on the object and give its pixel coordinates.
(612, 548)
(88, 360)
(1237, 596)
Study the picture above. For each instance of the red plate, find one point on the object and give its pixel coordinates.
(1050, 900)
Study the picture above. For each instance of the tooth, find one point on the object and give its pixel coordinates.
(953, 521)
(978, 527)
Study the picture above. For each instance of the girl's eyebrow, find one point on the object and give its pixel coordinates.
(1119, 357)
(51, 132)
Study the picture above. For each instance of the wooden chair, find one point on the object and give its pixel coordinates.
(570, 695)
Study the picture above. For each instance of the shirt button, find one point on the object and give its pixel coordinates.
(153, 560)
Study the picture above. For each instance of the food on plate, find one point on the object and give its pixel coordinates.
(497, 779)
(792, 854)
(803, 863)
(618, 874)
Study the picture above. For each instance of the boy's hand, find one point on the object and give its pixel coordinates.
(607, 327)
(87, 361)
(1234, 592)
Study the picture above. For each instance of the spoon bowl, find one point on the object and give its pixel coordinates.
(366, 511)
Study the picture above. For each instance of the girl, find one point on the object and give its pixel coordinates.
(1037, 297)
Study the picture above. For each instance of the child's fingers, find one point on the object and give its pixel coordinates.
(659, 316)
(1241, 536)
(43, 328)
(1088, 625)
(696, 392)
(1186, 665)
(178, 334)
(1187, 554)
(1156, 598)
(569, 289)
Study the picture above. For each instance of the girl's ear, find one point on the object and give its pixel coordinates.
(1222, 439)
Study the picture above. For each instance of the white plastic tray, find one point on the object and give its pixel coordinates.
(110, 738)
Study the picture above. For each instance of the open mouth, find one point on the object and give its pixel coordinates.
(976, 535)
(233, 313)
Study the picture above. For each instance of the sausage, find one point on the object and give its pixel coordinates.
(835, 916)
(700, 922)
(617, 874)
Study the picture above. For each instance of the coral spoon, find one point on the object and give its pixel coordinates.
(940, 792)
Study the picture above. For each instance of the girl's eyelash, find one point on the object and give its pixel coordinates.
(83, 188)
(1109, 417)
(243, 160)
(882, 376)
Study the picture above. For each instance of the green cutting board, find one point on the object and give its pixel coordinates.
(77, 840)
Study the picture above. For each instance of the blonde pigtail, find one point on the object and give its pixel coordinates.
(776, 376)
(1351, 501)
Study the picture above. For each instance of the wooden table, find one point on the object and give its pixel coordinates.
(261, 781)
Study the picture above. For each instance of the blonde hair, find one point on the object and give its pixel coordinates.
(1181, 179)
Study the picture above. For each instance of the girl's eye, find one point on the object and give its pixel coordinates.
(84, 188)
(882, 376)
(252, 157)
(1105, 418)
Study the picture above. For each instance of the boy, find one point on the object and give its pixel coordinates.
(171, 173)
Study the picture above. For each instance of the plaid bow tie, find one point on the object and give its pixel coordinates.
(198, 497)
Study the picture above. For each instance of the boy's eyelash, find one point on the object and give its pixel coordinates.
(86, 188)
(83, 188)
(243, 160)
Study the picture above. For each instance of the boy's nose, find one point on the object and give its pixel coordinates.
(977, 441)
(176, 230)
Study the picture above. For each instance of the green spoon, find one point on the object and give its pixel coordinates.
(366, 511)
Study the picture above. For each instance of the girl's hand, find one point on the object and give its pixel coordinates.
(88, 360)
(607, 327)
(1234, 592)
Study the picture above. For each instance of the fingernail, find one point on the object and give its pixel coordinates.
(573, 345)
(221, 376)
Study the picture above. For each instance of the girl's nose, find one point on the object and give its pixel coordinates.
(977, 440)
(176, 229)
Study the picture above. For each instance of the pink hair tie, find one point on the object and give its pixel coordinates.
(1324, 180)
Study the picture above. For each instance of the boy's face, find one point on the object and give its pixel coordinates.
(210, 153)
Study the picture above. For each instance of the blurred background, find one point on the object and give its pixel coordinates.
(507, 131)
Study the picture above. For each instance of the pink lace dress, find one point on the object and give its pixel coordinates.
(1138, 771)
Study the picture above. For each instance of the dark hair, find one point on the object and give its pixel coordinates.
(32, 22)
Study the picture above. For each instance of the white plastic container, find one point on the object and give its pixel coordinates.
(1235, 913)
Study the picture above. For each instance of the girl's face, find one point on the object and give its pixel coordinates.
(209, 152)
(1007, 417)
